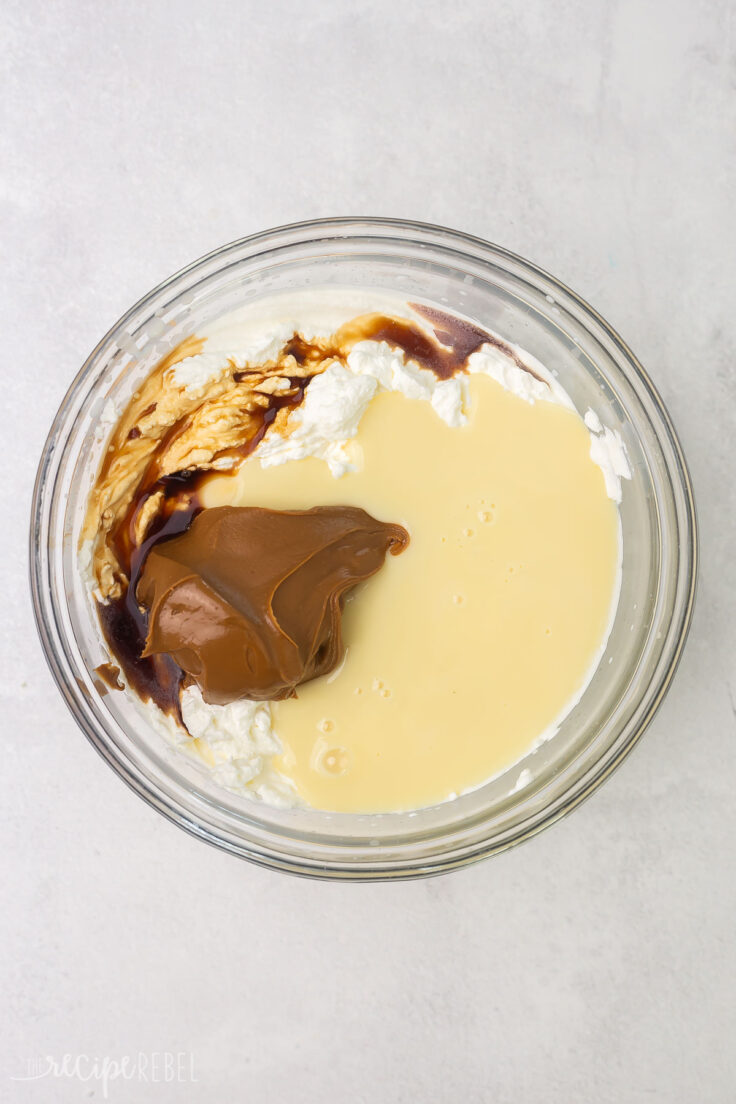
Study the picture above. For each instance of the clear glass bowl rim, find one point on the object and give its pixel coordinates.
(322, 864)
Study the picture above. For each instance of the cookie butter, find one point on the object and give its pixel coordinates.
(248, 601)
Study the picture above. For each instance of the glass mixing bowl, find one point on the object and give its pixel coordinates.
(525, 305)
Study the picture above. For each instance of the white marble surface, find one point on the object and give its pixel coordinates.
(597, 963)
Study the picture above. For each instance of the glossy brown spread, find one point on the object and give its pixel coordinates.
(110, 675)
(248, 602)
(166, 442)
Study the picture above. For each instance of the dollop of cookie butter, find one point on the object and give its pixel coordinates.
(248, 601)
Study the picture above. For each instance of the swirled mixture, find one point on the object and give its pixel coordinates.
(360, 561)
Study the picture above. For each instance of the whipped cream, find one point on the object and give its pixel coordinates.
(608, 452)
(237, 742)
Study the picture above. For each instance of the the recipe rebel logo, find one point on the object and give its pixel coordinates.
(152, 1067)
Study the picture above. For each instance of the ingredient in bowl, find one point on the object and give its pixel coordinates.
(248, 601)
(219, 595)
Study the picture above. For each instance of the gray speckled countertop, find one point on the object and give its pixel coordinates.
(595, 964)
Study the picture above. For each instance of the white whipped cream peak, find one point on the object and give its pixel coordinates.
(325, 421)
(592, 421)
(238, 743)
(608, 451)
(195, 373)
(502, 367)
(525, 777)
(234, 744)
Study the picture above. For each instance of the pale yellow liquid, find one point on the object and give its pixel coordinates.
(464, 649)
